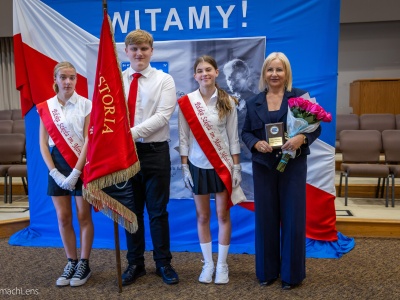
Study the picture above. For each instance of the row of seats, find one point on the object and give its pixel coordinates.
(12, 126)
(12, 164)
(12, 150)
(378, 122)
(361, 153)
(11, 114)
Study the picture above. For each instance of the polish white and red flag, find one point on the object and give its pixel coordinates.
(42, 38)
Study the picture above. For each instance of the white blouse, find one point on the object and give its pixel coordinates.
(75, 111)
(227, 126)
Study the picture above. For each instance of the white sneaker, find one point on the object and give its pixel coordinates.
(222, 274)
(207, 273)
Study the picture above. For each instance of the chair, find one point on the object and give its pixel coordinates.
(18, 126)
(398, 121)
(378, 122)
(361, 152)
(345, 122)
(16, 114)
(5, 115)
(3, 173)
(12, 147)
(391, 146)
(18, 171)
(6, 126)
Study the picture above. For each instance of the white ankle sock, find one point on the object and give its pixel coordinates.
(222, 253)
(206, 249)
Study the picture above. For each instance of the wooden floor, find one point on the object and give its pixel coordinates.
(357, 227)
(9, 227)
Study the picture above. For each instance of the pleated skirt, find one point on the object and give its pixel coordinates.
(205, 181)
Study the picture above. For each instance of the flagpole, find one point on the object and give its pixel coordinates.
(116, 231)
(118, 257)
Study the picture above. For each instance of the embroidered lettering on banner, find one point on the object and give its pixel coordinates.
(63, 129)
(200, 110)
(56, 115)
(108, 100)
(59, 120)
(207, 123)
(77, 148)
(214, 136)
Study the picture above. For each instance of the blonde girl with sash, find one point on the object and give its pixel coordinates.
(209, 148)
(64, 121)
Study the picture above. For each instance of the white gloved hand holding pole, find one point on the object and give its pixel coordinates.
(187, 177)
(236, 175)
(70, 182)
(57, 176)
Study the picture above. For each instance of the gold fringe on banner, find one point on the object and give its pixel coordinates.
(109, 206)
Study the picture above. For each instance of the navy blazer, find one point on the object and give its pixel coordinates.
(254, 127)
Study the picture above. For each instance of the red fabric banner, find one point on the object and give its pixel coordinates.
(111, 155)
(111, 147)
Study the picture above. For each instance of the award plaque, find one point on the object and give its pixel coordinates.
(275, 134)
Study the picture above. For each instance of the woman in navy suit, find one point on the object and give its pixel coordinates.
(279, 197)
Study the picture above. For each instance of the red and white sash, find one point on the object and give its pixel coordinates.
(67, 142)
(211, 142)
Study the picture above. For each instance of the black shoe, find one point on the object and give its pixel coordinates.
(268, 282)
(82, 273)
(287, 286)
(69, 271)
(168, 274)
(131, 273)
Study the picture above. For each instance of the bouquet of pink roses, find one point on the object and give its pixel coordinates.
(303, 116)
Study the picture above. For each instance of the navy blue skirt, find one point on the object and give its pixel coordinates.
(206, 181)
(62, 166)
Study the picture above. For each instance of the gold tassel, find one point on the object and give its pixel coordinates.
(109, 206)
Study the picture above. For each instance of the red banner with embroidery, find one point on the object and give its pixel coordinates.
(111, 156)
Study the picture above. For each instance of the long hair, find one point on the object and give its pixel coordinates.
(57, 68)
(223, 105)
(262, 85)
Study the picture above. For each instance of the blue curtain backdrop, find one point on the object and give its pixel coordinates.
(306, 31)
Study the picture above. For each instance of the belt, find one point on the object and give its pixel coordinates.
(150, 145)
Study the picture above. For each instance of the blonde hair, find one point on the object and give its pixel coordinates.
(262, 85)
(57, 68)
(223, 105)
(138, 37)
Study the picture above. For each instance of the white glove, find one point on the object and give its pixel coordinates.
(187, 177)
(70, 181)
(236, 175)
(57, 176)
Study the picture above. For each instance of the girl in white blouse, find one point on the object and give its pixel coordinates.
(198, 172)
